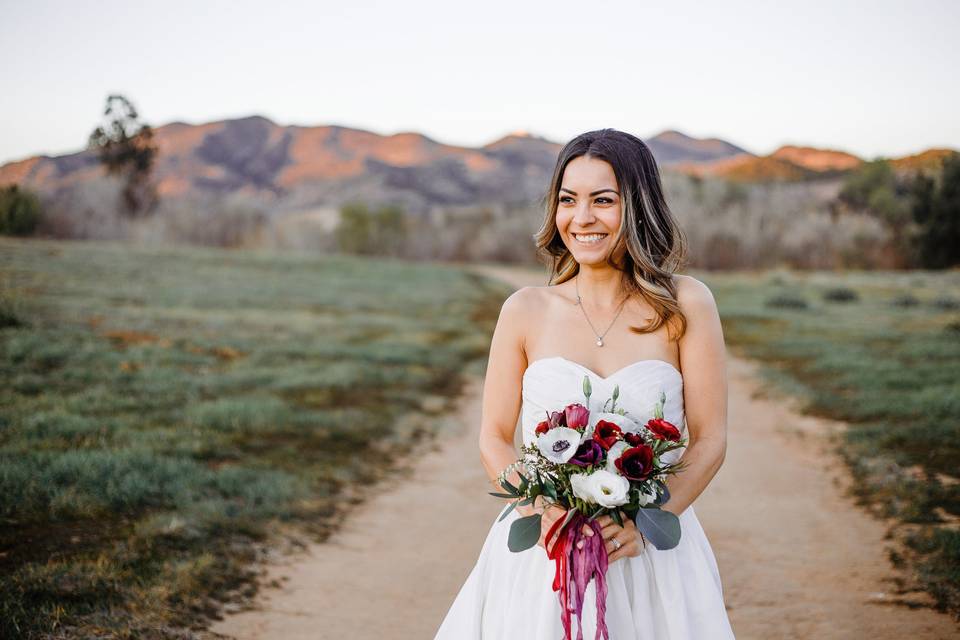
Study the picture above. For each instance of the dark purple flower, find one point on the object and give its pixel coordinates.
(636, 463)
(589, 452)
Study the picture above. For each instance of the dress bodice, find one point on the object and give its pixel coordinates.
(550, 384)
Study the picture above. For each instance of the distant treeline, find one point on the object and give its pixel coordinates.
(873, 217)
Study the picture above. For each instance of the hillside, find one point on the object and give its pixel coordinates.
(297, 167)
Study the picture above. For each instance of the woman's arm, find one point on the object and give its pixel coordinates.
(703, 363)
(502, 389)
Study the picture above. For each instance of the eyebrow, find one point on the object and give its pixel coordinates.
(592, 193)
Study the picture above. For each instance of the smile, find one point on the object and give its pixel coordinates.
(589, 238)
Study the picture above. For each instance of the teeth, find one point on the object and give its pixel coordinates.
(593, 237)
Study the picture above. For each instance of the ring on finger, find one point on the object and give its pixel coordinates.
(616, 544)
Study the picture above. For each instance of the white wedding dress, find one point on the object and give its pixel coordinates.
(658, 595)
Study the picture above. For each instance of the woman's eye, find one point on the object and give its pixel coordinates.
(608, 200)
(564, 199)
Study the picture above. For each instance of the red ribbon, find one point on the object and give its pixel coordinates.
(560, 554)
(568, 560)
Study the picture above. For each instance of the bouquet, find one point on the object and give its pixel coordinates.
(592, 464)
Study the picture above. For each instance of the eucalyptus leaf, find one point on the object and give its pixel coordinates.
(550, 489)
(524, 533)
(509, 487)
(507, 512)
(501, 495)
(567, 518)
(661, 527)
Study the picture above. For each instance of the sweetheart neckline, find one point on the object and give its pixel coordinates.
(597, 375)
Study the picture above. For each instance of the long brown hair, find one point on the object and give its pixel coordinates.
(656, 247)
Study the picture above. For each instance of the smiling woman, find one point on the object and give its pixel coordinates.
(611, 237)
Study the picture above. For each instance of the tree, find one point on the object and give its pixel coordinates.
(936, 212)
(19, 211)
(126, 148)
(874, 187)
(379, 232)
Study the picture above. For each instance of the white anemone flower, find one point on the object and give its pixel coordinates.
(559, 444)
(601, 487)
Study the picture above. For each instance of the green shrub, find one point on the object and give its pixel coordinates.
(377, 232)
(11, 313)
(840, 294)
(905, 300)
(19, 211)
(787, 301)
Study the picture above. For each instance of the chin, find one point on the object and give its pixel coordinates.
(590, 259)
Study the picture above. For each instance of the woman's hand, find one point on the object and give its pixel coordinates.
(551, 514)
(630, 539)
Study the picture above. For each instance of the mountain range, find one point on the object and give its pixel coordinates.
(296, 167)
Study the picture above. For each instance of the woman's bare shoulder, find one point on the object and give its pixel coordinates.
(693, 296)
(525, 301)
(526, 307)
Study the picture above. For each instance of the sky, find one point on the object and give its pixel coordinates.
(875, 78)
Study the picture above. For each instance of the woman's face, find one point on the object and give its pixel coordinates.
(588, 205)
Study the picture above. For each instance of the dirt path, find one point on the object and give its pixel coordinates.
(798, 560)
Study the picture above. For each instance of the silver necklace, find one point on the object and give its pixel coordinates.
(599, 335)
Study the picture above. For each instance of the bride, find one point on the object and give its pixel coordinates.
(617, 312)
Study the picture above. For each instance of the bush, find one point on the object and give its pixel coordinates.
(840, 294)
(905, 300)
(946, 302)
(11, 314)
(787, 301)
(379, 232)
(19, 211)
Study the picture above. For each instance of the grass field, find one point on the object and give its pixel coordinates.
(164, 412)
(880, 350)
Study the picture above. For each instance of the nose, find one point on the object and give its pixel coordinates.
(583, 216)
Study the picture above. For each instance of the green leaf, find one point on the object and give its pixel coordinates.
(524, 533)
(524, 483)
(661, 527)
(566, 519)
(509, 487)
(550, 489)
(507, 512)
(501, 495)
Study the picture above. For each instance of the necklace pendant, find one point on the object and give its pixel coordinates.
(599, 342)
